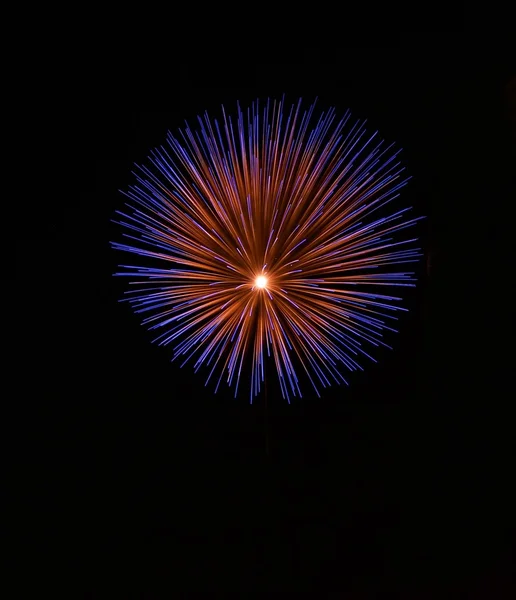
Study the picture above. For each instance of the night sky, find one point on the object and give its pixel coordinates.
(389, 483)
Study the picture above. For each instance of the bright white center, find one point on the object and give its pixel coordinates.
(261, 281)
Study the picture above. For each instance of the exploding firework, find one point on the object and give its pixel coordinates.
(266, 235)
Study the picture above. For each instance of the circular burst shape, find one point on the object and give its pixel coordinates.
(267, 235)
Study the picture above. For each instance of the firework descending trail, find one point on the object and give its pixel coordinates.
(267, 235)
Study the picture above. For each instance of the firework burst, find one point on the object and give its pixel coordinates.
(266, 235)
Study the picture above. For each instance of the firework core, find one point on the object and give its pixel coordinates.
(261, 281)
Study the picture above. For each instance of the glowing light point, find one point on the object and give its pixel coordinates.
(261, 281)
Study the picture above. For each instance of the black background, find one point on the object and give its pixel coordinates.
(139, 474)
